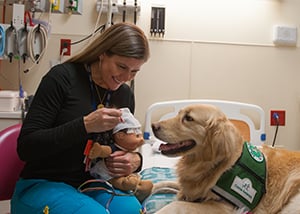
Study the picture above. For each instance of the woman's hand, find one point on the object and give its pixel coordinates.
(102, 119)
(122, 163)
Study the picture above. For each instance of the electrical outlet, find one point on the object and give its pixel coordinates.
(65, 43)
(281, 117)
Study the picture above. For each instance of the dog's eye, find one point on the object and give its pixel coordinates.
(188, 118)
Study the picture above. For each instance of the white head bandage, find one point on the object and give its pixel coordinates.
(129, 122)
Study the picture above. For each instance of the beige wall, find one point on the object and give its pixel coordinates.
(212, 49)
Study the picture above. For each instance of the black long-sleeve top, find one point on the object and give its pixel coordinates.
(53, 136)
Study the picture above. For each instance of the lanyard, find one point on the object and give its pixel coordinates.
(105, 136)
(93, 89)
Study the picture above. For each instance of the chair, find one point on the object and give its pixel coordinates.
(10, 164)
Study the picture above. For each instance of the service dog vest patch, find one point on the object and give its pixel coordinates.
(244, 184)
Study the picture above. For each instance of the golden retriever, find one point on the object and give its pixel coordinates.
(210, 145)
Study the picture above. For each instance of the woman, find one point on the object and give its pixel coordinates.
(78, 102)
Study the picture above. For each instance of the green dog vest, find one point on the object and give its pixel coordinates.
(244, 184)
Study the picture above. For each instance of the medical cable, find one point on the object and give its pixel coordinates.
(132, 84)
(87, 37)
(88, 189)
(22, 42)
(135, 12)
(48, 19)
(10, 41)
(109, 190)
(124, 11)
(109, 14)
(2, 40)
(21, 91)
(37, 39)
(97, 22)
(27, 15)
(43, 30)
(45, 23)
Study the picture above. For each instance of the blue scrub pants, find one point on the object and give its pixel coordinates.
(36, 196)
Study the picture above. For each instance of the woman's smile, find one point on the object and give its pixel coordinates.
(116, 80)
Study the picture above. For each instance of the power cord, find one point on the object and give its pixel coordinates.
(37, 42)
(101, 28)
(97, 22)
(276, 117)
(64, 50)
(37, 38)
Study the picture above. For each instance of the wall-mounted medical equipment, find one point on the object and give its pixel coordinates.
(121, 7)
(24, 42)
(37, 42)
(73, 6)
(15, 42)
(57, 6)
(20, 41)
(157, 26)
(31, 5)
(37, 5)
(285, 35)
(11, 32)
(54, 6)
(18, 14)
(10, 42)
(65, 6)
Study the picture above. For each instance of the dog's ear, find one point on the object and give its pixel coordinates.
(222, 137)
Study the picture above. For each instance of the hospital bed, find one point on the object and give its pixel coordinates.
(248, 118)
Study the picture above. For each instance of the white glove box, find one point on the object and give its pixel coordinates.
(9, 101)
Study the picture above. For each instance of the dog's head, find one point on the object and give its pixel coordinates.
(202, 129)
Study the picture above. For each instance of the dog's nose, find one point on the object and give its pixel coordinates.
(155, 127)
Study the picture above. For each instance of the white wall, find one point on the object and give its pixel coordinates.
(213, 49)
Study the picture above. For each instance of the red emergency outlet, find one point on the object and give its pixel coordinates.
(277, 117)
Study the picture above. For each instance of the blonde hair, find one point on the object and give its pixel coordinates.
(122, 39)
